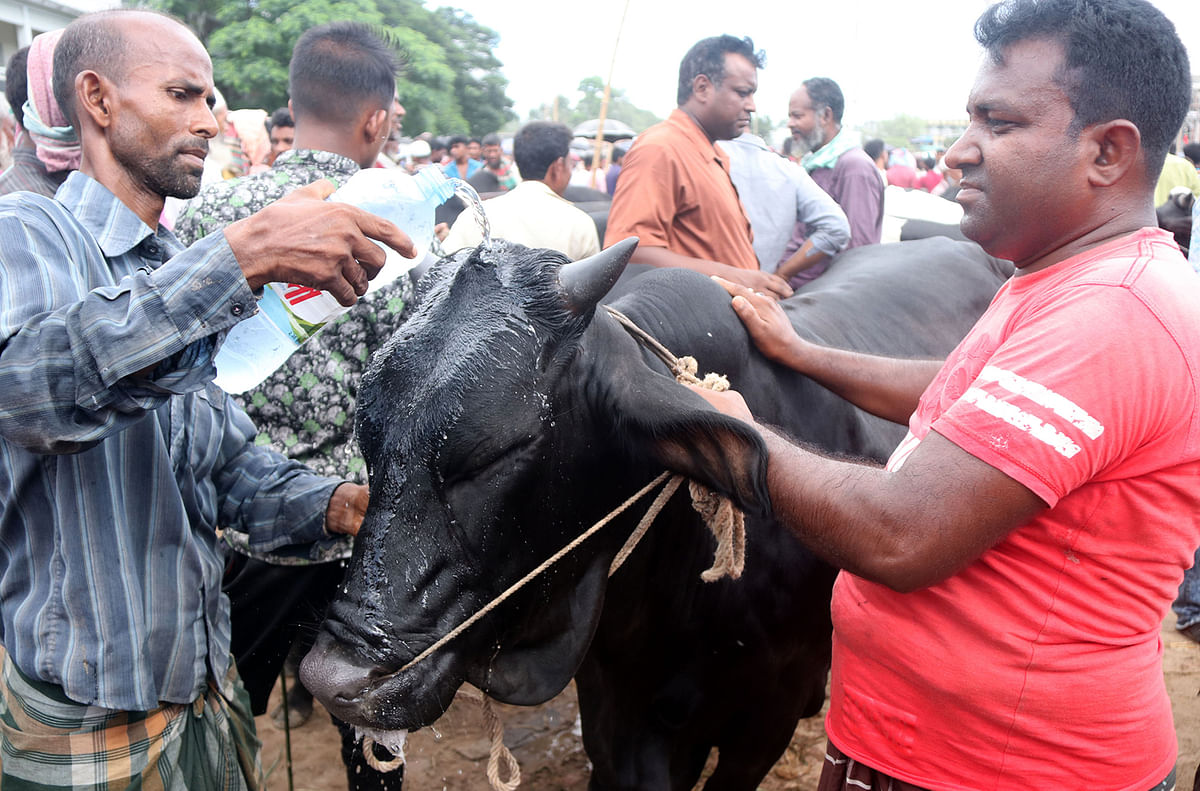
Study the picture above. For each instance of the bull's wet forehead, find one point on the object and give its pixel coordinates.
(482, 313)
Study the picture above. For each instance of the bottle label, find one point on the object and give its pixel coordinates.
(300, 311)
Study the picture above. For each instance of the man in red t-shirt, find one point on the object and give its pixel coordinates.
(996, 623)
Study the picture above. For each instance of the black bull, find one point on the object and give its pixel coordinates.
(509, 414)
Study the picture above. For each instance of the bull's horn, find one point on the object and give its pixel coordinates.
(586, 282)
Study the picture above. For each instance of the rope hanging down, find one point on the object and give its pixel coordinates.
(726, 522)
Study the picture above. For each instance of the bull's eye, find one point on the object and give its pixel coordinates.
(490, 494)
(481, 465)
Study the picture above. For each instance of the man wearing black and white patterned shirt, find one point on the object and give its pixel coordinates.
(342, 83)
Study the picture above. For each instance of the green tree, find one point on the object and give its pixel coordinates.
(591, 90)
(251, 49)
(449, 82)
(478, 84)
(426, 85)
(898, 131)
(200, 15)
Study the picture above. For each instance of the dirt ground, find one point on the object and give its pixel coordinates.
(452, 755)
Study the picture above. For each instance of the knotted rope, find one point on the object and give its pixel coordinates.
(368, 748)
(726, 522)
(498, 752)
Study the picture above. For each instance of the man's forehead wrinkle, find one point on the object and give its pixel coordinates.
(175, 52)
(996, 90)
(1027, 99)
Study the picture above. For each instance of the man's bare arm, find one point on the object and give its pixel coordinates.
(804, 258)
(906, 529)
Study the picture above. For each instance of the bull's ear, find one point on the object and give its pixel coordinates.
(584, 283)
(688, 436)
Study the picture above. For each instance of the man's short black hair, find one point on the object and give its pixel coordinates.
(707, 57)
(281, 117)
(339, 68)
(16, 84)
(455, 140)
(492, 139)
(537, 145)
(93, 42)
(824, 92)
(1123, 59)
(874, 148)
(1192, 152)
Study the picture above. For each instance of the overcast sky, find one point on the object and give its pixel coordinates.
(889, 56)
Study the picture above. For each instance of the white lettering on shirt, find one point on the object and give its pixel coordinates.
(1045, 397)
(1015, 416)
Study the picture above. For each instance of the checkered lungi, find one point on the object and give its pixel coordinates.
(50, 742)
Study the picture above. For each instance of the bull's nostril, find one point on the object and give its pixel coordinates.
(334, 675)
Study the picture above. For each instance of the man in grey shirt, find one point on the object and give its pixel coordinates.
(777, 193)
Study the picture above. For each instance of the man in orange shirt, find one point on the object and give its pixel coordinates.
(675, 193)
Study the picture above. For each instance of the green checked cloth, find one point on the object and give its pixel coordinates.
(50, 742)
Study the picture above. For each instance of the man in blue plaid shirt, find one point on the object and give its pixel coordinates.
(118, 456)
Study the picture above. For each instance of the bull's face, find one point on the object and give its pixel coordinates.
(483, 422)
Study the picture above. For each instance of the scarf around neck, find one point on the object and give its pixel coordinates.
(57, 144)
(827, 155)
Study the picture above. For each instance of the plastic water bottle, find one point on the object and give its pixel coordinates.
(289, 313)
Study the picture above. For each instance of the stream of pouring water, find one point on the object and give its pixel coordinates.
(465, 191)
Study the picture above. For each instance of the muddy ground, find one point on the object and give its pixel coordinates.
(452, 756)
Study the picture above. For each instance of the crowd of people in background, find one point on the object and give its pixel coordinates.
(876, 201)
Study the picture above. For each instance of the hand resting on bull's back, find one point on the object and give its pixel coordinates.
(767, 324)
(304, 239)
(887, 387)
